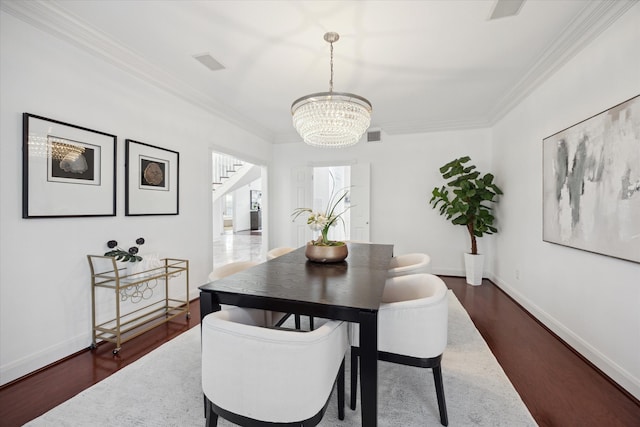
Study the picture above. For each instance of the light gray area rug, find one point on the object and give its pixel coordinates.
(163, 388)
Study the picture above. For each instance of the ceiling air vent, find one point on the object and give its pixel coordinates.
(504, 8)
(374, 135)
(209, 61)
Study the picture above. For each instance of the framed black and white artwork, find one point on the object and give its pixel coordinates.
(591, 183)
(67, 170)
(152, 180)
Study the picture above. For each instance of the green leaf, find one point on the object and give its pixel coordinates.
(469, 189)
(468, 169)
(460, 220)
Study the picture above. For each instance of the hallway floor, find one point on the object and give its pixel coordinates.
(241, 246)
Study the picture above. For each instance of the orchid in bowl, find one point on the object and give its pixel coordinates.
(323, 221)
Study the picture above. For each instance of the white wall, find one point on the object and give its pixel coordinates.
(592, 301)
(404, 170)
(44, 275)
(217, 220)
(241, 205)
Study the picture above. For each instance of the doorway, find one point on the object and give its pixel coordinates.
(236, 198)
(328, 181)
(311, 187)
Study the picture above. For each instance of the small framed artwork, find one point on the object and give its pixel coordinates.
(152, 180)
(591, 183)
(67, 170)
(256, 197)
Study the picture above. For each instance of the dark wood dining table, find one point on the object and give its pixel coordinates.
(350, 290)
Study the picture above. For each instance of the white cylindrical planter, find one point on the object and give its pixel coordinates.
(474, 265)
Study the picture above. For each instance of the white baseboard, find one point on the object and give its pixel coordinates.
(33, 362)
(617, 373)
(42, 358)
(449, 272)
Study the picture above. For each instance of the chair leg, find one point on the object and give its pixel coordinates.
(442, 406)
(297, 320)
(212, 417)
(311, 328)
(206, 405)
(354, 377)
(341, 392)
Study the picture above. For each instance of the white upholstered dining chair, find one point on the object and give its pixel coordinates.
(412, 329)
(254, 375)
(236, 267)
(230, 268)
(413, 263)
(276, 252)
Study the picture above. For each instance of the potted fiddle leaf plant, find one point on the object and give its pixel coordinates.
(467, 199)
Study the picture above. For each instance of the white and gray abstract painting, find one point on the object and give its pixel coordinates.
(591, 183)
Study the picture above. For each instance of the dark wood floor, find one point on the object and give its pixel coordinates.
(558, 387)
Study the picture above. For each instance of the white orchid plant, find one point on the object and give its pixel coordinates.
(323, 221)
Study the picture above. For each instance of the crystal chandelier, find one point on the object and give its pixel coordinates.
(331, 119)
(53, 147)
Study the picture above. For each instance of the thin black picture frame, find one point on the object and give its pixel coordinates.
(67, 170)
(152, 180)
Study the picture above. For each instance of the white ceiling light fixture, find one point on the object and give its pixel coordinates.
(331, 119)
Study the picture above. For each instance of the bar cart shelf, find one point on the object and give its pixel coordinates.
(137, 309)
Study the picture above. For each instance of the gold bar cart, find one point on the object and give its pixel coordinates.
(130, 322)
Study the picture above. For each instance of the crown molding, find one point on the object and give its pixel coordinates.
(50, 17)
(406, 128)
(424, 126)
(594, 19)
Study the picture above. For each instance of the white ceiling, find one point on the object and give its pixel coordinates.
(424, 65)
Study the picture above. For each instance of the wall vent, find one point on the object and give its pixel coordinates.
(374, 135)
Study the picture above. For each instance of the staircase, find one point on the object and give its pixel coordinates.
(230, 173)
(223, 168)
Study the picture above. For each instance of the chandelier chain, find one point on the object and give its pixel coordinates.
(331, 66)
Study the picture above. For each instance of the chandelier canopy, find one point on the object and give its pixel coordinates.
(331, 119)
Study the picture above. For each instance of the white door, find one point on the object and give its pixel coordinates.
(302, 179)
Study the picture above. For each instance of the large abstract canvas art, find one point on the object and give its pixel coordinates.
(591, 183)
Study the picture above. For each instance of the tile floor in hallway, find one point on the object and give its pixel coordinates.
(241, 246)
